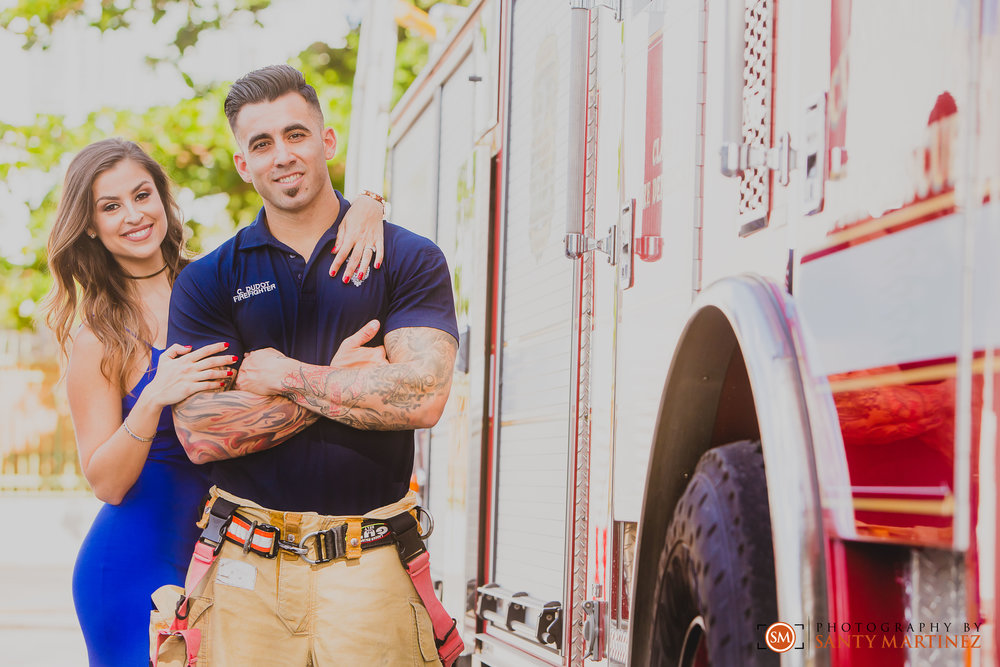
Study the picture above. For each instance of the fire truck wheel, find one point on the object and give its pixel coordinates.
(716, 583)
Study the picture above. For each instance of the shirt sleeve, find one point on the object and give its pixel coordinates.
(200, 310)
(421, 291)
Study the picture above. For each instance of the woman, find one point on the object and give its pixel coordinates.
(118, 235)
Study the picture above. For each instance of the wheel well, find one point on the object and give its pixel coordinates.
(736, 416)
(741, 371)
(707, 402)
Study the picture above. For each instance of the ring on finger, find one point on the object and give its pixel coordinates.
(373, 248)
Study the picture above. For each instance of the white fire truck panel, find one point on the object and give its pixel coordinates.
(416, 189)
(536, 316)
(660, 152)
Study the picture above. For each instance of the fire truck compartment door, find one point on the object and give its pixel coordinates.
(536, 315)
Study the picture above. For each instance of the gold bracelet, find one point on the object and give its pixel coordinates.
(131, 433)
(379, 198)
(374, 195)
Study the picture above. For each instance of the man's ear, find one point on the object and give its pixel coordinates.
(329, 142)
(241, 167)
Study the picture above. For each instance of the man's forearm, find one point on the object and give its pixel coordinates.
(409, 392)
(390, 397)
(223, 425)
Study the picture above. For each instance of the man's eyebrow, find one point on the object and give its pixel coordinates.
(257, 137)
(267, 135)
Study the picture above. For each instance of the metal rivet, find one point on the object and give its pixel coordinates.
(354, 541)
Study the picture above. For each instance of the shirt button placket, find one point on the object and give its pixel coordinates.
(298, 265)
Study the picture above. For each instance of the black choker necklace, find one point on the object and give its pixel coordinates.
(155, 273)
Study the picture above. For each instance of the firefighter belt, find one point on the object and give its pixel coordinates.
(299, 588)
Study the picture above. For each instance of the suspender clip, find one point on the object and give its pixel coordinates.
(219, 516)
(407, 533)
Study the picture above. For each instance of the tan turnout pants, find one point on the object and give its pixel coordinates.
(357, 610)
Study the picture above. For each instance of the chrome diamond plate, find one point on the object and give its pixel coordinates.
(755, 183)
(935, 589)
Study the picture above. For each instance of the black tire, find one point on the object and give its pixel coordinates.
(716, 573)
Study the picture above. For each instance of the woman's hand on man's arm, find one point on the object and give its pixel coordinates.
(360, 238)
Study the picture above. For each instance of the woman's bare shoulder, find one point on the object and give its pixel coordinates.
(85, 342)
(85, 354)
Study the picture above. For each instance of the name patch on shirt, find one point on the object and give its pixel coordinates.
(253, 290)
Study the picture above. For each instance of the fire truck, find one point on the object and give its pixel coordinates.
(726, 280)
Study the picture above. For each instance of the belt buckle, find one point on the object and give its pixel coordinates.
(215, 532)
(330, 545)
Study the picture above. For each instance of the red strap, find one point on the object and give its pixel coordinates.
(450, 644)
(191, 639)
(204, 556)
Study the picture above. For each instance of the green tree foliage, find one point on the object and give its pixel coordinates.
(35, 19)
(412, 51)
(190, 138)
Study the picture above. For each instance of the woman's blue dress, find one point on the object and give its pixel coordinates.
(137, 546)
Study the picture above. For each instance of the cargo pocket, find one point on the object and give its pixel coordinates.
(425, 634)
(164, 603)
(173, 651)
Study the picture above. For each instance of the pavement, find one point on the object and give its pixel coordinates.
(41, 536)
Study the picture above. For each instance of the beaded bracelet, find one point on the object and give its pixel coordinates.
(131, 433)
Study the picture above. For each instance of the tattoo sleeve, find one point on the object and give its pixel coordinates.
(223, 425)
(408, 392)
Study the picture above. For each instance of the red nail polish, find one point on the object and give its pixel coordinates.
(222, 384)
(334, 251)
(229, 373)
(225, 345)
(234, 358)
(346, 277)
(378, 264)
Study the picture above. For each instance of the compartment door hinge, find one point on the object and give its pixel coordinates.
(578, 245)
(613, 5)
(617, 245)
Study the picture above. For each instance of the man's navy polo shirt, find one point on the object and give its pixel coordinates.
(256, 292)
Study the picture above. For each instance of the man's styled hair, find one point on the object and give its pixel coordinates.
(266, 85)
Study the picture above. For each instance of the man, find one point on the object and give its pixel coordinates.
(297, 583)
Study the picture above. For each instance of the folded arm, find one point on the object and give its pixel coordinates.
(410, 391)
(215, 425)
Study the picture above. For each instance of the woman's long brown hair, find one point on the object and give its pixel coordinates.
(108, 301)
